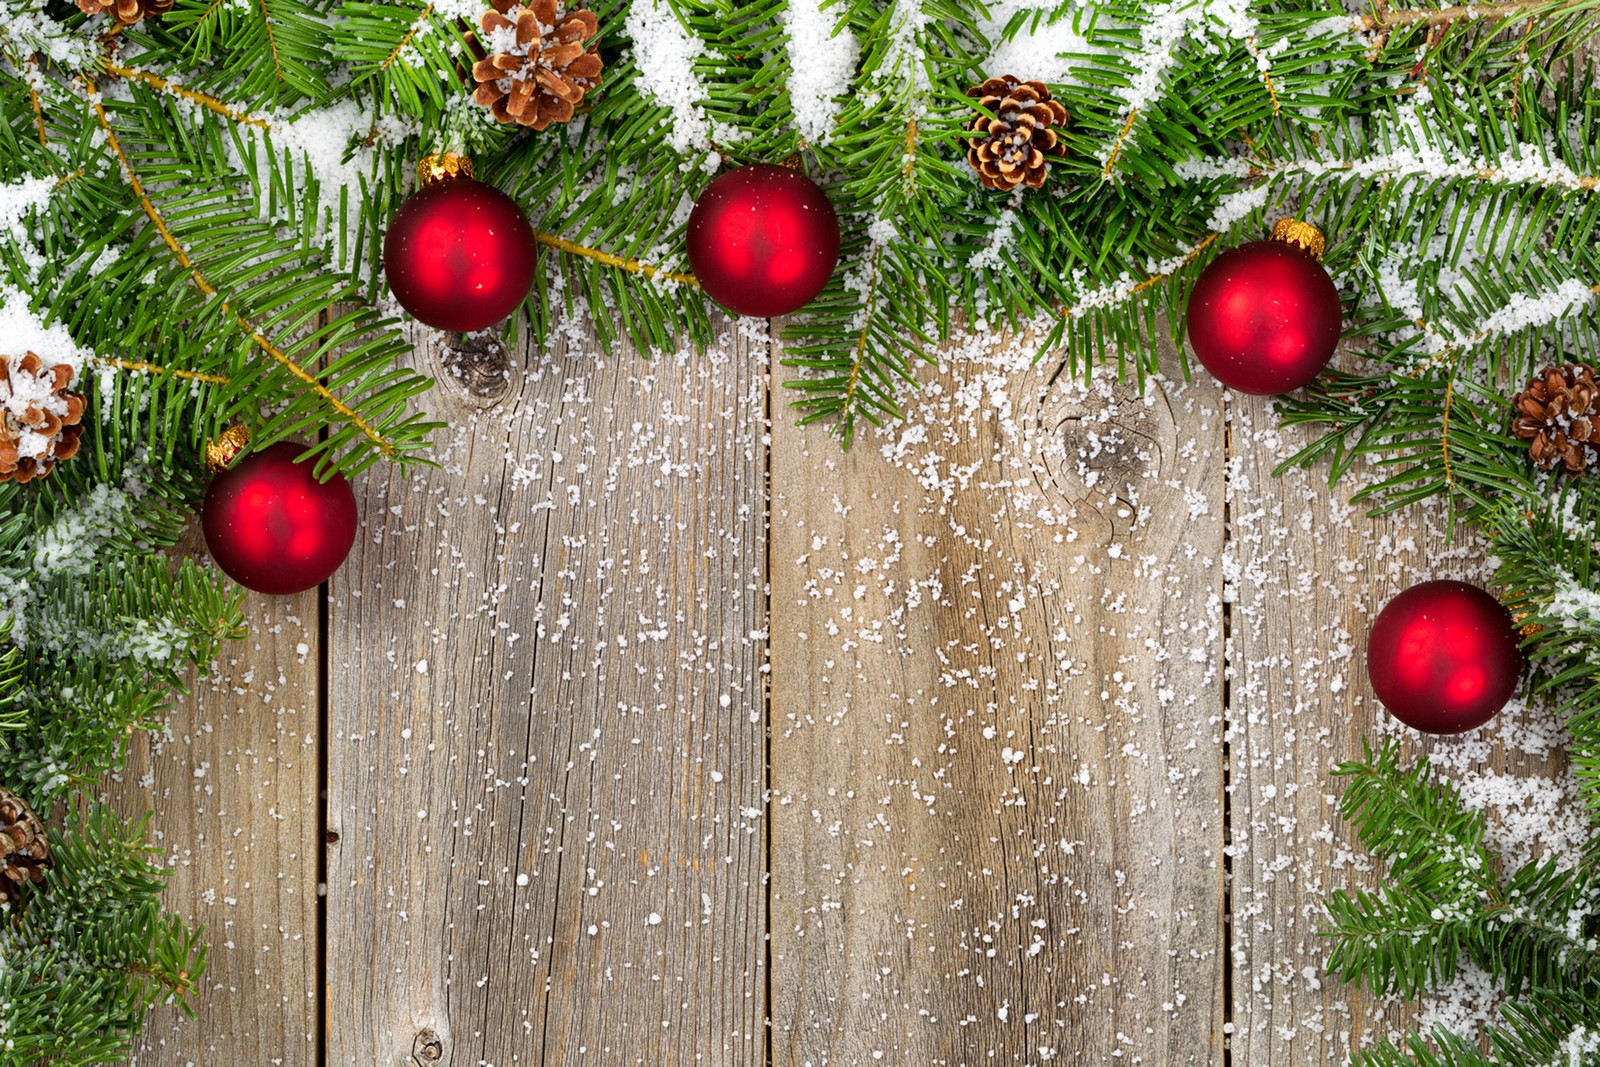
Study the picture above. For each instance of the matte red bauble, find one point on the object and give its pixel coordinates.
(763, 240)
(1264, 317)
(274, 528)
(1443, 657)
(459, 255)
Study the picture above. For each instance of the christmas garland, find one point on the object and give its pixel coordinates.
(212, 216)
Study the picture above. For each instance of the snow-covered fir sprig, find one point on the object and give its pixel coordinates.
(1448, 900)
(1166, 30)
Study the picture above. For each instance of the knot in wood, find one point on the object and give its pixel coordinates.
(1099, 450)
(1104, 451)
(428, 1048)
(478, 367)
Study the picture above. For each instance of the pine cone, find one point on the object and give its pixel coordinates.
(24, 848)
(1015, 147)
(1556, 414)
(39, 417)
(126, 12)
(535, 67)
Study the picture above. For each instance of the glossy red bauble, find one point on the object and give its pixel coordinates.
(1264, 317)
(272, 527)
(763, 240)
(459, 255)
(1443, 657)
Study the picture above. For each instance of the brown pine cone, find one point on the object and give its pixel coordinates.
(126, 12)
(1016, 146)
(535, 66)
(39, 417)
(1556, 414)
(24, 848)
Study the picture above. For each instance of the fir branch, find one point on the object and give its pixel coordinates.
(142, 367)
(409, 58)
(12, 715)
(33, 99)
(1122, 139)
(272, 39)
(1446, 901)
(261, 51)
(1120, 292)
(405, 41)
(210, 103)
(631, 266)
(1444, 432)
(1391, 18)
(255, 334)
(853, 378)
(86, 960)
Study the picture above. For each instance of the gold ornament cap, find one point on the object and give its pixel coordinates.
(1302, 235)
(442, 167)
(221, 452)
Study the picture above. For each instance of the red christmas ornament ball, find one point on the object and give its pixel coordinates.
(763, 240)
(1443, 657)
(272, 527)
(1264, 317)
(459, 255)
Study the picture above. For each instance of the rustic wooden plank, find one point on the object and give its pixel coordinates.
(1311, 570)
(233, 782)
(997, 717)
(1308, 568)
(547, 741)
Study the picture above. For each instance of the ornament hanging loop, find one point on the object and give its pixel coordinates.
(221, 452)
(442, 167)
(1302, 235)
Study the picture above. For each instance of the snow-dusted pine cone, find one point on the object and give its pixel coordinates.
(24, 848)
(536, 65)
(39, 417)
(1015, 147)
(1555, 413)
(126, 12)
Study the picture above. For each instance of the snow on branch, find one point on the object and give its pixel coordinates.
(1039, 48)
(1523, 165)
(1522, 311)
(1170, 25)
(666, 53)
(1126, 288)
(822, 61)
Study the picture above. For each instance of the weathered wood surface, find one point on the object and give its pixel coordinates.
(997, 715)
(233, 781)
(547, 753)
(1310, 569)
(995, 725)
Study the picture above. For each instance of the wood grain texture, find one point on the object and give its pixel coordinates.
(233, 782)
(1307, 568)
(547, 753)
(998, 732)
(997, 715)
(1309, 572)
